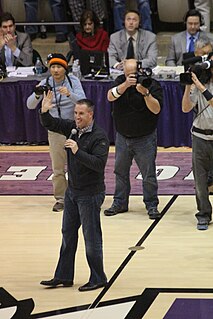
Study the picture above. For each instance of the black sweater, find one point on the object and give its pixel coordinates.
(131, 115)
(86, 167)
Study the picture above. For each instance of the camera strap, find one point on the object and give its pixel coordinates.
(58, 101)
(196, 116)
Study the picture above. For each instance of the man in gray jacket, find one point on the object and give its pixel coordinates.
(15, 47)
(143, 42)
(183, 42)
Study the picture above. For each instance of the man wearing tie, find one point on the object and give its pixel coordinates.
(15, 47)
(132, 42)
(183, 42)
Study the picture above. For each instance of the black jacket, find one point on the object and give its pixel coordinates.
(86, 167)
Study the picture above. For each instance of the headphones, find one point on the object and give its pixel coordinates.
(193, 13)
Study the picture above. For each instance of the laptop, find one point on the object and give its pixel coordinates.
(94, 64)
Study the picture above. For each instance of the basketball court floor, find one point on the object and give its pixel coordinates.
(155, 269)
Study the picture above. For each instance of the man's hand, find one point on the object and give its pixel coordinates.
(72, 145)
(119, 66)
(197, 83)
(141, 89)
(47, 102)
(10, 40)
(131, 80)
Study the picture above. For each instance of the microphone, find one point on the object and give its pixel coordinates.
(73, 132)
(195, 59)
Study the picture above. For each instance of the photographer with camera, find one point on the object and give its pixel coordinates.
(67, 90)
(138, 100)
(199, 96)
(200, 64)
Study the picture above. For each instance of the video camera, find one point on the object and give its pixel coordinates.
(143, 75)
(39, 90)
(202, 70)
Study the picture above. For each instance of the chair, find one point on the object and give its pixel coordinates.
(69, 55)
(168, 15)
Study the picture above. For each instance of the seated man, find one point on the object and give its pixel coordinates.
(15, 47)
(132, 42)
(183, 42)
(143, 8)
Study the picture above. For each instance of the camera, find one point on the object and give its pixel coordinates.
(143, 75)
(203, 75)
(39, 90)
(201, 70)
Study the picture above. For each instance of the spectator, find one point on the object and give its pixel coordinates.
(199, 96)
(15, 47)
(87, 152)
(204, 6)
(78, 6)
(143, 8)
(91, 37)
(58, 11)
(184, 41)
(136, 110)
(67, 90)
(143, 42)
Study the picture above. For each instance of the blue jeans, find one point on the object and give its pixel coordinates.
(58, 11)
(85, 211)
(143, 150)
(143, 8)
(202, 162)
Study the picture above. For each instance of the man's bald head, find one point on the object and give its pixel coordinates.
(130, 66)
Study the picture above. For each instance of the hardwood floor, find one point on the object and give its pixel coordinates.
(175, 254)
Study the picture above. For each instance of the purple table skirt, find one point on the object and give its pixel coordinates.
(18, 124)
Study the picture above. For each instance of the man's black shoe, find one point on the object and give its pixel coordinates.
(89, 286)
(114, 211)
(154, 213)
(56, 282)
(202, 226)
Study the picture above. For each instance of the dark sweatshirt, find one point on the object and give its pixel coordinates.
(86, 167)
